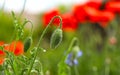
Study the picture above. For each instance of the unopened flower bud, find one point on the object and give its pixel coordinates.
(27, 43)
(76, 51)
(56, 38)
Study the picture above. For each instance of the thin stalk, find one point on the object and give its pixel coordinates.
(6, 72)
(23, 8)
(70, 47)
(16, 24)
(76, 70)
(41, 69)
(107, 69)
(60, 26)
(11, 63)
(62, 62)
(39, 42)
(31, 32)
(95, 71)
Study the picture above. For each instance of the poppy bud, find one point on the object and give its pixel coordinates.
(76, 51)
(56, 38)
(27, 43)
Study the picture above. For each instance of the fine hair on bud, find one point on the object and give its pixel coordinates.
(27, 43)
(56, 38)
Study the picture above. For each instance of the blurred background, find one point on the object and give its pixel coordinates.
(36, 6)
(94, 22)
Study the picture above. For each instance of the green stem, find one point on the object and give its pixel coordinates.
(23, 8)
(16, 24)
(95, 71)
(27, 21)
(39, 42)
(13, 69)
(11, 63)
(6, 72)
(76, 70)
(41, 69)
(107, 69)
(107, 66)
(62, 62)
(60, 26)
(74, 40)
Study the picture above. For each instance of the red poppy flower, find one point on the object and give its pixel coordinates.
(94, 3)
(1, 44)
(69, 22)
(49, 15)
(2, 54)
(92, 14)
(95, 15)
(79, 13)
(106, 16)
(114, 0)
(1, 61)
(15, 47)
(113, 6)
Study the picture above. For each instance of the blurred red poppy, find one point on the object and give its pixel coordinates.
(47, 16)
(79, 13)
(94, 3)
(69, 22)
(92, 14)
(95, 15)
(115, 0)
(1, 44)
(107, 16)
(2, 54)
(99, 16)
(1, 61)
(113, 6)
(15, 47)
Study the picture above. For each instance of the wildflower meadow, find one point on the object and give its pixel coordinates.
(78, 39)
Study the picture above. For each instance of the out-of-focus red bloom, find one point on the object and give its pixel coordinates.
(95, 15)
(2, 54)
(94, 3)
(69, 22)
(49, 15)
(16, 47)
(114, 0)
(89, 13)
(106, 17)
(92, 14)
(1, 44)
(1, 61)
(113, 6)
(79, 13)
